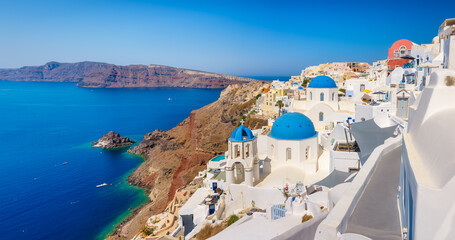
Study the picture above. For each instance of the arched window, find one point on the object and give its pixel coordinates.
(247, 150)
(333, 96)
(288, 154)
(362, 87)
(237, 151)
(307, 153)
(321, 116)
(311, 95)
(402, 51)
(322, 97)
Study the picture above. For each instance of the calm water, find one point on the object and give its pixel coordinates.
(43, 125)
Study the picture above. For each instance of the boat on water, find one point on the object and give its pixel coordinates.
(64, 163)
(101, 185)
(169, 99)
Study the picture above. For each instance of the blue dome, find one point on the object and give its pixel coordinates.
(322, 81)
(293, 126)
(241, 134)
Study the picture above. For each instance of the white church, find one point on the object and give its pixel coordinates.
(322, 104)
(288, 154)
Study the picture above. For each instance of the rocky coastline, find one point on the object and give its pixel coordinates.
(174, 157)
(113, 140)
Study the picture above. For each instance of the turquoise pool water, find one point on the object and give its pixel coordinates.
(218, 158)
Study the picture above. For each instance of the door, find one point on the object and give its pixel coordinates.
(402, 107)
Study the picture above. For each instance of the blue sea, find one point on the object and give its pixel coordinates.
(43, 125)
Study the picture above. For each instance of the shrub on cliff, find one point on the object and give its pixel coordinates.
(306, 218)
(232, 219)
(146, 230)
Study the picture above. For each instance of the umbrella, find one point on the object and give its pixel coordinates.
(379, 92)
(367, 91)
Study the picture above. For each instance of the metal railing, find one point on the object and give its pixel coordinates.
(278, 211)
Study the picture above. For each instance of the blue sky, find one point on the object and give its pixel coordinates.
(233, 37)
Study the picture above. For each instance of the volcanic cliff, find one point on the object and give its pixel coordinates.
(104, 75)
(174, 157)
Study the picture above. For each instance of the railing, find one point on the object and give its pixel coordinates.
(278, 211)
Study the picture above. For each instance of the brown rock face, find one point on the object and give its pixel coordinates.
(112, 140)
(103, 75)
(174, 157)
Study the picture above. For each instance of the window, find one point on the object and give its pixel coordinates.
(307, 153)
(409, 52)
(362, 87)
(333, 96)
(237, 151)
(321, 116)
(288, 154)
(247, 150)
(322, 97)
(402, 51)
(311, 95)
(395, 53)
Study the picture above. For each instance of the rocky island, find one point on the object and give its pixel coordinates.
(113, 140)
(104, 75)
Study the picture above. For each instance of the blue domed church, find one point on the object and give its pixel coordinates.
(242, 162)
(293, 141)
(291, 147)
(322, 104)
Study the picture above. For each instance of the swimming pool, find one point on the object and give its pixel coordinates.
(218, 158)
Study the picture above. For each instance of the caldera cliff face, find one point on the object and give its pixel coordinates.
(174, 157)
(104, 75)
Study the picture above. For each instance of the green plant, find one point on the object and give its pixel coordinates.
(253, 203)
(146, 230)
(258, 96)
(232, 219)
(306, 218)
(305, 82)
(280, 104)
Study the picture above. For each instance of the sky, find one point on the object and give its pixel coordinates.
(246, 38)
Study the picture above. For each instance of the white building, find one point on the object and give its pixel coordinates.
(242, 159)
(293, 143)
(427, 182)
(322, 103)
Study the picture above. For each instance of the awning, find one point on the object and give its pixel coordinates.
(369, 135)
(407, 57)
(367, 91)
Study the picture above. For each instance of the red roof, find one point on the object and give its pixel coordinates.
(396, 46)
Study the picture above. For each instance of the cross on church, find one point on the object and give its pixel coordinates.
(242, 121)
